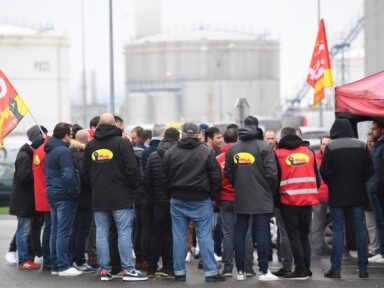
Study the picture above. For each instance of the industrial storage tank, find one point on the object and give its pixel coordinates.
(198, 75)
(37, 64)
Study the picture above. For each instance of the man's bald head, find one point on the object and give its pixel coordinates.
(82, 136)
(107, 118)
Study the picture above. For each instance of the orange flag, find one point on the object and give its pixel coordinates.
(320, 71)
(12, 107)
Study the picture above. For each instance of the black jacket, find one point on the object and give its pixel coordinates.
(85, 197)
(346, 166)
(250, 166)
(191, 172)
(111, 169)
(22, 202)
(152, 176)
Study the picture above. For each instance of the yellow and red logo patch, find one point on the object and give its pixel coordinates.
(297, 159)
(102, 155)
(244, 158)
(36, 160)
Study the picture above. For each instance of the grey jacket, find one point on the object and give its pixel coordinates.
(250, 166)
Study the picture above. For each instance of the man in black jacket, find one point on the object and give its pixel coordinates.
(158, 201)
(22, 203)
(346, 166)
(84, 214)
(193, 179)
(111, 169)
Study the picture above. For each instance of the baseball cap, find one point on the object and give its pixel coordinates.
(190, 128)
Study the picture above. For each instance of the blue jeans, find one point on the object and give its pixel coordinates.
(200, 212)
(22, 235)
(337, 217)
(228, 227)
(123, 219)
(377, 212)
(62, 216)
(261, 226)
(46, 239)
(80, 232)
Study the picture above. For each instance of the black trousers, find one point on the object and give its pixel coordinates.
(297, 220)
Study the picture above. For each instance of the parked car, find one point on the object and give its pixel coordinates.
(6, 177)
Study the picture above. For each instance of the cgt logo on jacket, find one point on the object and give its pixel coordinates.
(102, 155)
(243, 158)
(297, 159)
(36, 160)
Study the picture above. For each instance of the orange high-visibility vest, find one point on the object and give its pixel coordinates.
(298, 177)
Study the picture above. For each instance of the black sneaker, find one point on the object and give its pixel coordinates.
(309, 273)
(226, 273)
(47, 268)
(296, 276)
(215, 278)
(180, 278)
(250, 273)
(151, 274)
(363, 274)
(280, 272)
(332, 274)
(162, 272)
(200, 265)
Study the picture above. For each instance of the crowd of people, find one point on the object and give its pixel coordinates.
(101, 200)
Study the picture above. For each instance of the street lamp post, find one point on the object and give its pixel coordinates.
(111, 67)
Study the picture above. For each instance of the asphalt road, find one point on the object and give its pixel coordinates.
(12, 277)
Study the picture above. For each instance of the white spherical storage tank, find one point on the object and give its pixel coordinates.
(198, 75)
(37, 64)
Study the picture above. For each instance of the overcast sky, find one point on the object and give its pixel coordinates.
(293, 22)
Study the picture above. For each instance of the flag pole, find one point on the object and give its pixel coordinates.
(321, 118)
(41, 130)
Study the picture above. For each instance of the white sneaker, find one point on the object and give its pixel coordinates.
(267, 276)
(376, 258)
(70, 272)
(241, 276)
(39, 260)
(11, 257)
(188, 257)
(217, 258)
(380, 261)
(54, 273)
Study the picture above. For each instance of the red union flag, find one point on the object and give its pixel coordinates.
(320, 71)
(12, 107)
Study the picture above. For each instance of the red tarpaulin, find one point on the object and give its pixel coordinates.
(362, 98)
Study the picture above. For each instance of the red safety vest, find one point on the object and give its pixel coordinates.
(298, 177)
(41, 202)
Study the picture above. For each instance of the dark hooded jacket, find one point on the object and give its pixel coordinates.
(377, 154)
(346, 166)
(152, 176)
(191, 172)
(110, 167)
(61, 174)
(85, 197)
(250, 166)
(22, 198)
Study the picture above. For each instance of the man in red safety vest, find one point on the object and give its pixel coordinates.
(299, 181)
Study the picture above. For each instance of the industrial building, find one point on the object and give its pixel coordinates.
(36, 62)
